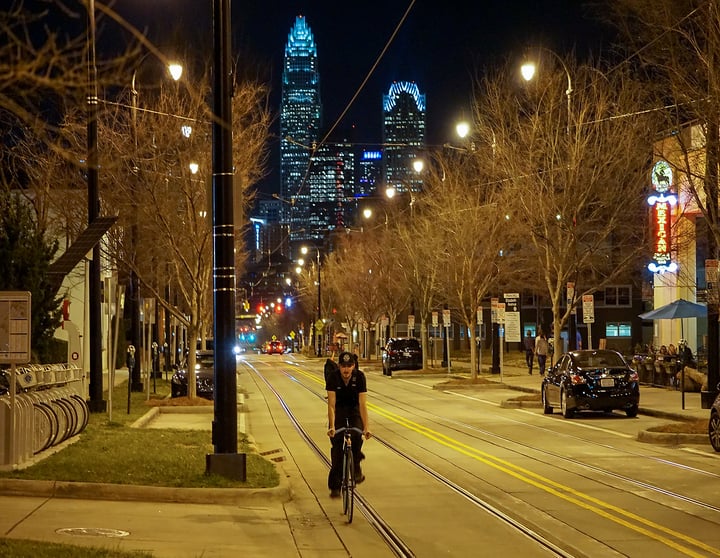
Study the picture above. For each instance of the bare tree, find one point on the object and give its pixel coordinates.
(462, 201)
(573, 171)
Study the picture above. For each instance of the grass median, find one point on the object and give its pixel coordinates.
(113, 452)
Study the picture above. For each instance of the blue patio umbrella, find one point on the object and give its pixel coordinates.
(680, 308)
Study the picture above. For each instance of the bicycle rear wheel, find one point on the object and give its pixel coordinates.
(348, 485)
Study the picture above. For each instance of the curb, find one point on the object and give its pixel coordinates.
(128, 492)
(671, 438)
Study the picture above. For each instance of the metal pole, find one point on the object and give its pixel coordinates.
(224, 434)
(96, 404)
(319, 308)
(134, 375)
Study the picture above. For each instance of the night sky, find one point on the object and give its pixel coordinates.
(441, 46)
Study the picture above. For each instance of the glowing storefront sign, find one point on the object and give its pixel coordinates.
(662, 201)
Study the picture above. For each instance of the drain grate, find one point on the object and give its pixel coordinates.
(92, 532)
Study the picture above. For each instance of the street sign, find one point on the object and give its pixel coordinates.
(446, 317)
(434, 319)
(588, 302)
(319, 325)
(411, 322)
(479, 315)
(513, 329)
(571, 296)
(501, 312)
(494, 310)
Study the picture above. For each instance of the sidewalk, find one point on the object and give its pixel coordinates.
(654, 401)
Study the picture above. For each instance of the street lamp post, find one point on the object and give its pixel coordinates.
(318, 308)
(528, 72)
(135, 379)
(96, 404)
(225, 461)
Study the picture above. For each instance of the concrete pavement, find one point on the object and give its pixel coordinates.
(284, 521)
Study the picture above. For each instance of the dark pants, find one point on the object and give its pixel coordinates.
(529, 359)
(336, 453)
(541, 363)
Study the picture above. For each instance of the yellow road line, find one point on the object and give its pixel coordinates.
(556, 489)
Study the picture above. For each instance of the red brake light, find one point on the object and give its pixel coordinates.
(576, 379)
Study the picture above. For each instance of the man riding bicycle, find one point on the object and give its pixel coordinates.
(347, 399)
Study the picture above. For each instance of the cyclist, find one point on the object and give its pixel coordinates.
(346, 399)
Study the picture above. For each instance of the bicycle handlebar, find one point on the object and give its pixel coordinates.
(344, 428)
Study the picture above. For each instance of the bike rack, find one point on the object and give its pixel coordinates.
(48, 409)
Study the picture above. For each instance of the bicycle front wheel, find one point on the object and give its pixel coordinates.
(348, 485)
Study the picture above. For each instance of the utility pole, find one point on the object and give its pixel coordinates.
(225, 461)
(96, 404)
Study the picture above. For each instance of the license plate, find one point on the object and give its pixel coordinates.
(607, 382)
(406, 354)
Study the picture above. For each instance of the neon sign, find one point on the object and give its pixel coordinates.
(662, 201)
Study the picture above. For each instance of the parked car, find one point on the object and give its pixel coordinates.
(714, 424)
(276, 348)
(401, 353)
(204, 377)
(591, 380)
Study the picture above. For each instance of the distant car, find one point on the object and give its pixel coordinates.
(276, 348)
(401, 353)
(714, 424)
(591, 380)
(204, 377)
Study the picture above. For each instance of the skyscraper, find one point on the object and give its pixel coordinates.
(403, 135)
(300, 120)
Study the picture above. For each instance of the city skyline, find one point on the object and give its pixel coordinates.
(441, 48)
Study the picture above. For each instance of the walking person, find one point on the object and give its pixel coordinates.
(346, 399)
(541, 351)
(529, 343)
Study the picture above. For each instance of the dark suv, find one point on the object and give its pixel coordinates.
(401, 353)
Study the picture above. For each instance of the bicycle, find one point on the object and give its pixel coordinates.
(347, 488)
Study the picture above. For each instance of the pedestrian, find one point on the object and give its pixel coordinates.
(541, 351)
(529, 342)
(346, 400)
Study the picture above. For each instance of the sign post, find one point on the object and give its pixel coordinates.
(588, 302)
(446, 323)
(501, 321)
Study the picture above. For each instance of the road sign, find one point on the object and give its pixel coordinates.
(494, 310)
(434, 319)
(446, 317)
(588, 303)
(319, 325)
(479, 315)
(513, 331)
(411, 322)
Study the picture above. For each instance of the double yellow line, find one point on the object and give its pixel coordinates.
(608, 511)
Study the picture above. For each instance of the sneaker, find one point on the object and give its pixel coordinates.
(335, 493)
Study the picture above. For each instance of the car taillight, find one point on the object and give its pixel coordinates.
(576, 379)
(633, 376)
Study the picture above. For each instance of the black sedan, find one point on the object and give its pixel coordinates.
(204, 377)
(401, 353)
(714, 424)
(591, 380)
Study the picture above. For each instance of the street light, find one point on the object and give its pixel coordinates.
(318, 309)
(135, 375)
(528, 70)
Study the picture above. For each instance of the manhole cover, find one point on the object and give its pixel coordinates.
(92, 532)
